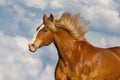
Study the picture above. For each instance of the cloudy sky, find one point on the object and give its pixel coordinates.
(19, 19)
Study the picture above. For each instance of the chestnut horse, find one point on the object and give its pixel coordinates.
(78, 59)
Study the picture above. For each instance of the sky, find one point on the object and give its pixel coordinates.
(20, 18)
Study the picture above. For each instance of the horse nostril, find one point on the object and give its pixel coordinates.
(32, 45)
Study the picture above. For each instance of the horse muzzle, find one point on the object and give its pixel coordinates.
(32, 47)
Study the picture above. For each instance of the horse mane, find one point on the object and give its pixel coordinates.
(72, 24)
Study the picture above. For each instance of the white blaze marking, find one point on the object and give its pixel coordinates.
(41, 27)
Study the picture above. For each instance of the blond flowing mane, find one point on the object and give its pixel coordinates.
(72, 24)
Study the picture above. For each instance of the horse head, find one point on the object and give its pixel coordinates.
(44, 35)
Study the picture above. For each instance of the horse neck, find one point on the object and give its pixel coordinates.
(68, 46)
(64, 43)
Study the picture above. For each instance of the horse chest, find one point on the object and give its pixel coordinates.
(77, 72)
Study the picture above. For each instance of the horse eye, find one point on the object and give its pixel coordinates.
(45, 30)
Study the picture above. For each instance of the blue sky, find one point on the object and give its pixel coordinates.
(18, 22)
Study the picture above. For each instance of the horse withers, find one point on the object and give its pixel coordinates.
(78, 59)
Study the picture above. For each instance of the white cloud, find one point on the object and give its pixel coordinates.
(105, 2)
(16, 62)
(41, 4)
(22, 15)
(102, 40)
(20, 20)
(56, 4)
(48, 74)
(6, 2)
(2, 2)
(22, 43)
(96, 39)
(102, 15)
(114, 41)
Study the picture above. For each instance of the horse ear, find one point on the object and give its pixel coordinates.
(51, 17)
(44, 18)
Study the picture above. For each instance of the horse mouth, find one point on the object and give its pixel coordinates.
(32, 48)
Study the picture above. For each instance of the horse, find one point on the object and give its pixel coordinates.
(78, 59)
